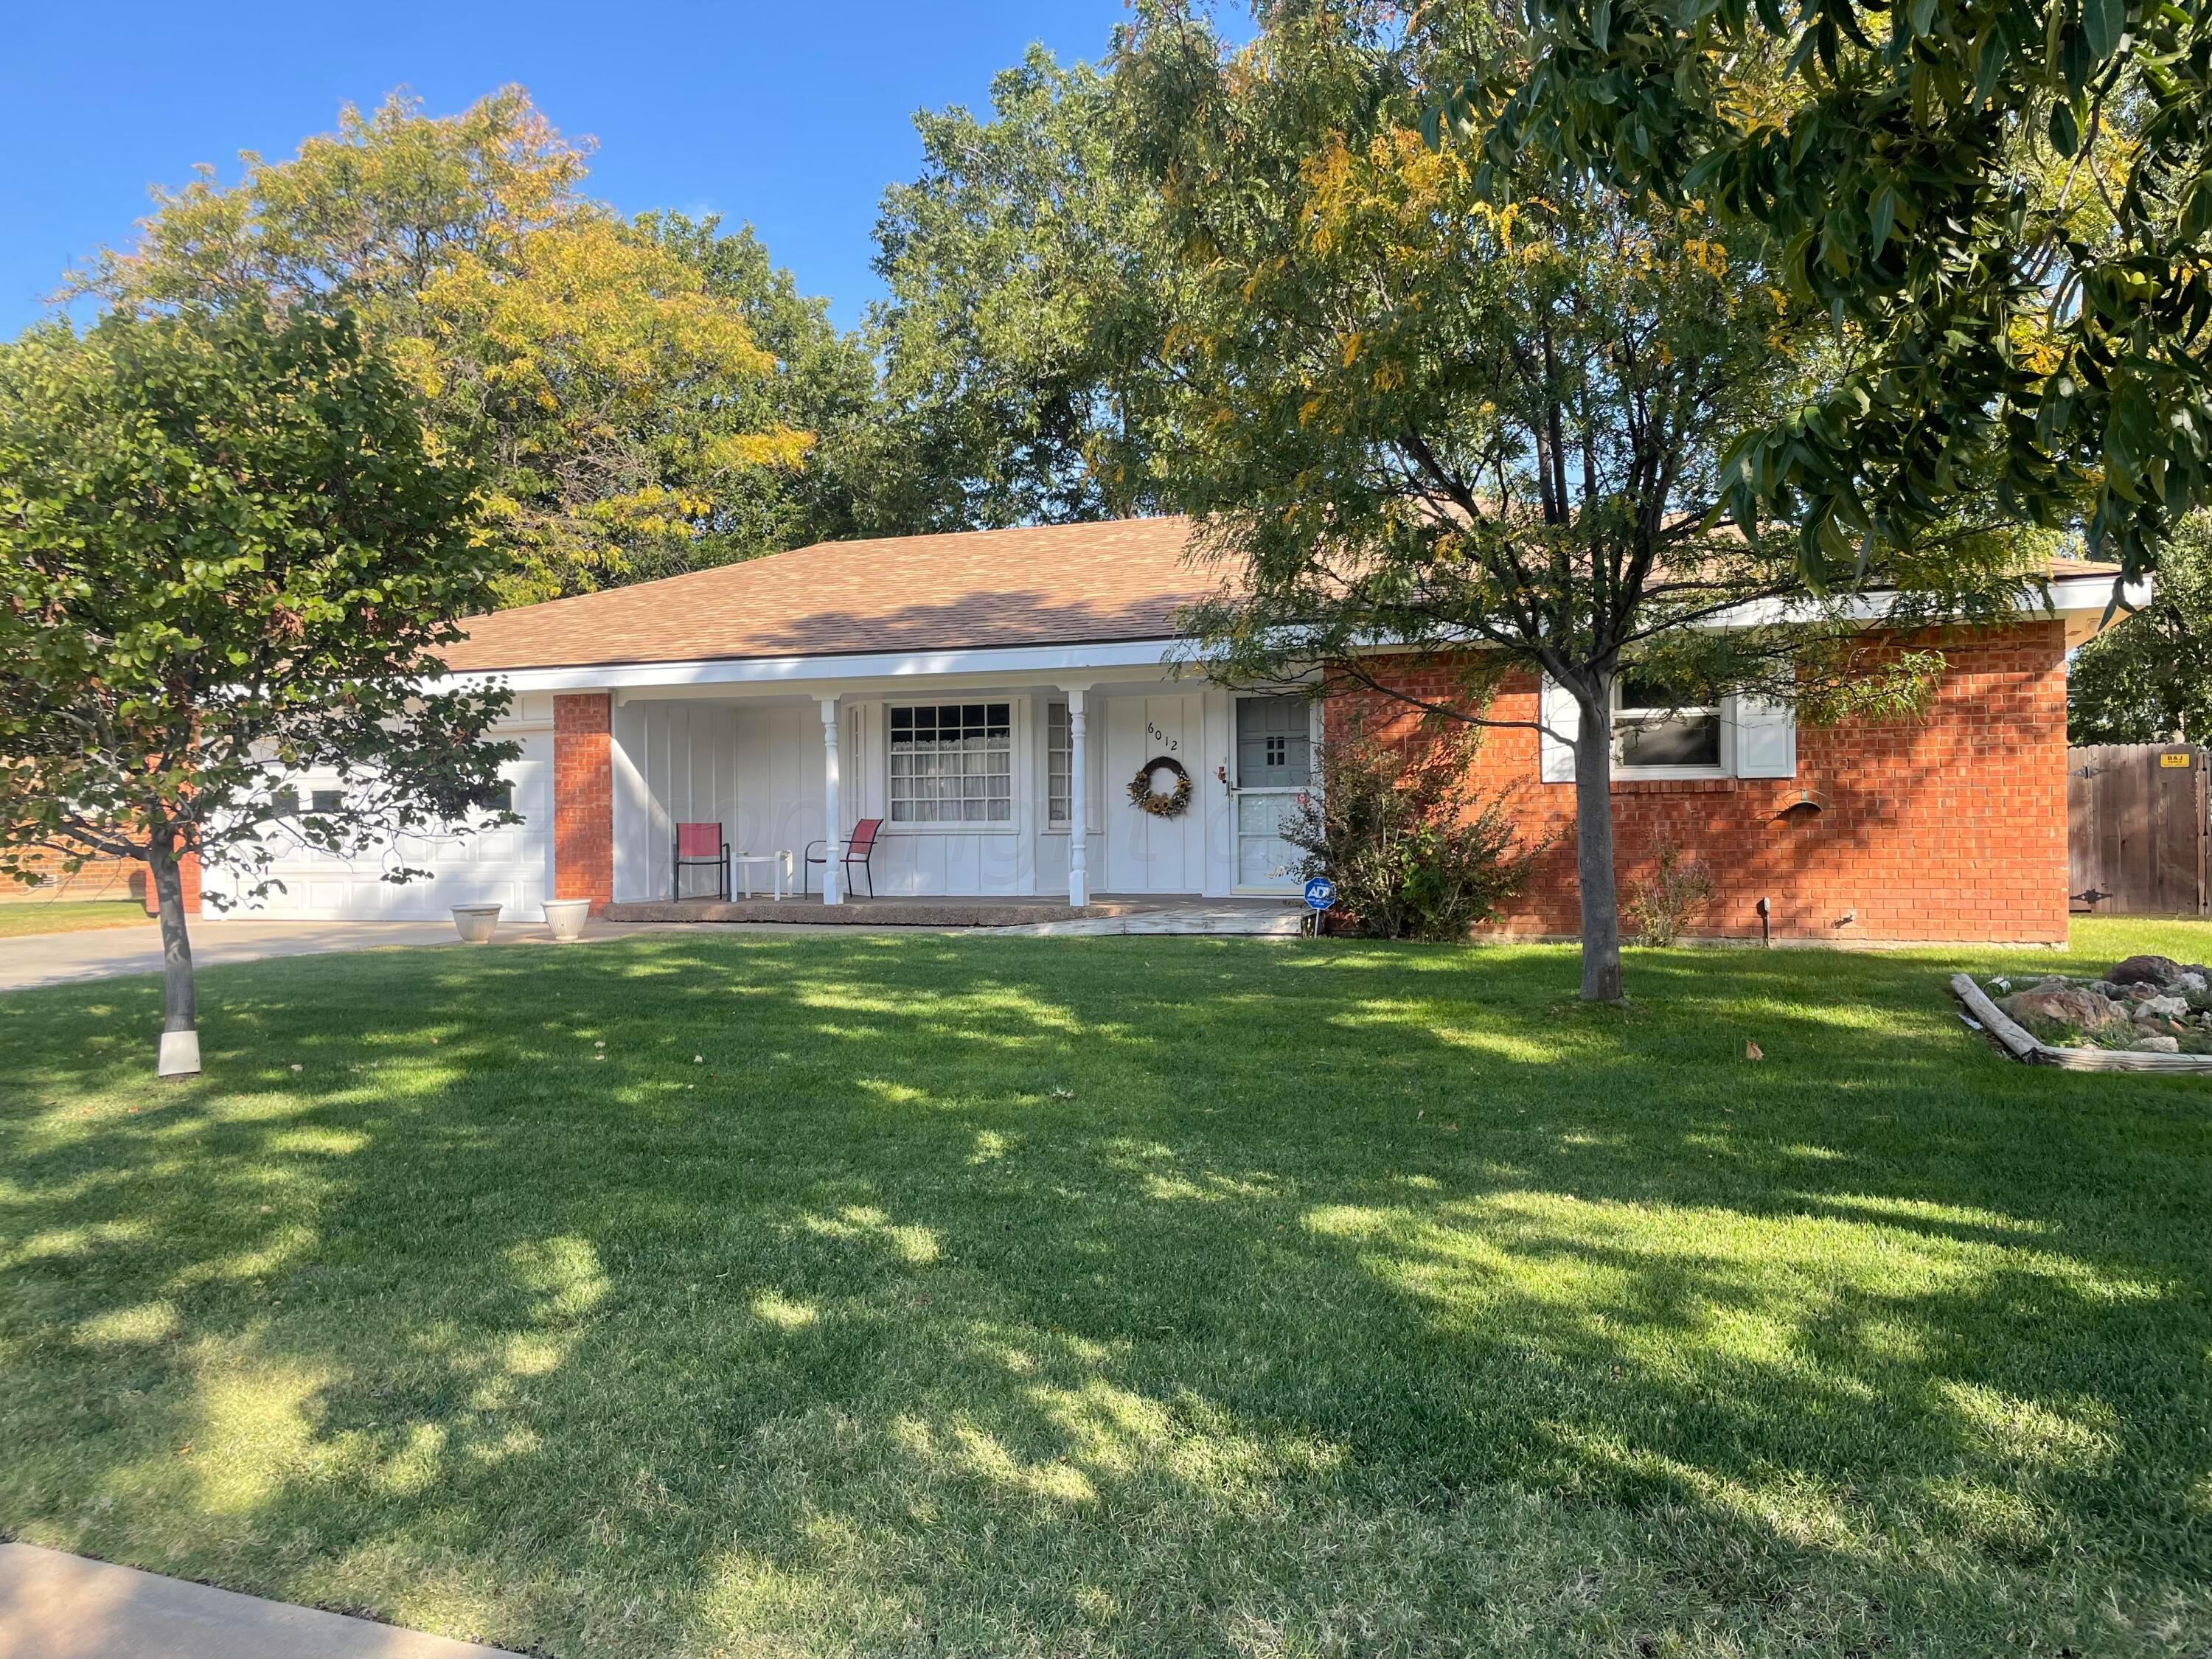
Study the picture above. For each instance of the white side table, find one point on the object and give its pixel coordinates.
(741, 875)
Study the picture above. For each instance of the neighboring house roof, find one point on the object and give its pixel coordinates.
(1077, 584)
(1046, 585)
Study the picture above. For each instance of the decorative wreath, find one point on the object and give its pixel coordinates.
(1176, 802)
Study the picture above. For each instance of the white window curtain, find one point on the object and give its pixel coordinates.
(952, 764)
(1059, 748)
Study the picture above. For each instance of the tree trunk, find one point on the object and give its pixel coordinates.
(180, 1048)
(1600, 901)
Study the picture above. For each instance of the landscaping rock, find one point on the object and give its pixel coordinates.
(2191, 981)
(2162, 1007)
(2157, 1045)
(2065, 1005)
(2146, 970)
(2104, 988)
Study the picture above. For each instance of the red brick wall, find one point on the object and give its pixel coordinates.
(1950, 827)
(99, 878)
(188, 879)
(584, 798)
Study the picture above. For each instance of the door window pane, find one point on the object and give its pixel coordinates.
(1274, 743)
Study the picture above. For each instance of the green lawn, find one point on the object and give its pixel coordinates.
(1073, 1297)
(20, 916)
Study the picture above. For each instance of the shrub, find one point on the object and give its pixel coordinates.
(1415, 850)
(1673, 896)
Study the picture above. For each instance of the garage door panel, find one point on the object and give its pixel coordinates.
(506, 866)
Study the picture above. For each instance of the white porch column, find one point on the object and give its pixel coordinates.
(833, 835)
(1078, 807)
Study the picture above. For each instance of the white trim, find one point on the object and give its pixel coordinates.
(801, 671)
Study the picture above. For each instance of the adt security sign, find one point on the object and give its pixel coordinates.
(1321, 893)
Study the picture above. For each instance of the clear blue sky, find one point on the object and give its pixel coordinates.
(792, 113)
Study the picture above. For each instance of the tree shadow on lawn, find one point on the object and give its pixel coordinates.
(1144, 1296)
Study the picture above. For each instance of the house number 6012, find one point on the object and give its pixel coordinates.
(1166, 742)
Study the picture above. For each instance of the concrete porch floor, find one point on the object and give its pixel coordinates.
(1107, 913)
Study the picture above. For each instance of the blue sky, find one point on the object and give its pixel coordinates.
(793, 115)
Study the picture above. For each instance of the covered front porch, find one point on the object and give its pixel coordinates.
(1107, 913)
(974, 784)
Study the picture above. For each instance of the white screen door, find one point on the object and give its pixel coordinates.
(1274, 768)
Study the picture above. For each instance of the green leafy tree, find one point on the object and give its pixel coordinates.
(610, 386)
(227, 554)
(1412, 416)
(2148, 678)
(1023, 299)
(823, 383)
(2004, 204)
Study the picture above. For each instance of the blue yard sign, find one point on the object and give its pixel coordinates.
(1321, 893)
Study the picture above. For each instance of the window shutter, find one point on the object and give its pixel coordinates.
(1766, 739)
(1563, 715)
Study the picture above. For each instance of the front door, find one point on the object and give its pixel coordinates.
(1274, 770)
(1146, 854)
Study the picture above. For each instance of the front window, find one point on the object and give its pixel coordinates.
(952, 764)
(1058, 753)
(1655, 726)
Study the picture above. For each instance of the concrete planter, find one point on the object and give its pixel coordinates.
(476, 922)
(565, 917)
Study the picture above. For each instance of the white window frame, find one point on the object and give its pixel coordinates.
(895, 824)
(1059, 822)
(1724, 767)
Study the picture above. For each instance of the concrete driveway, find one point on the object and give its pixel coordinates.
(106, 952)
(54, 1606)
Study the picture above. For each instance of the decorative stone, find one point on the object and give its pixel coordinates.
(2146, 970)
(2104, 988)
(2066, 1005)
(2162, 1007)
(2191, 981)
(2157, 1045)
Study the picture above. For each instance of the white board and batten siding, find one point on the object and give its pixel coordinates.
(1758, 739)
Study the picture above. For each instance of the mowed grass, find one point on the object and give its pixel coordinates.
(21, 917)
(1074, 1297)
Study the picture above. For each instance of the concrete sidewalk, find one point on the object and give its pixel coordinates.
(54, 1606)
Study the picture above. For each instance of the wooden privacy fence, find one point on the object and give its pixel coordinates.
(2136, 829)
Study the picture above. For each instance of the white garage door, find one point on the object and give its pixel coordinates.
(511, 866)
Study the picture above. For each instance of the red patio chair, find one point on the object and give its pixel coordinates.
(858, 850)
(699, 846)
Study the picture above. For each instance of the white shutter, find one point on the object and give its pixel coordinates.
(1766, 739)
(1561, 712)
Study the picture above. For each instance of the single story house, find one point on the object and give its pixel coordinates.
(984, 694)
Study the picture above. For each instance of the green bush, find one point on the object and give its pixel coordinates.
(1416, 852)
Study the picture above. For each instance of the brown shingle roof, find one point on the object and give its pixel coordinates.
(1048, 585)
(1044, 584)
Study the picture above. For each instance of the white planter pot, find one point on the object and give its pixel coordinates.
(476, 922)
(565, 917)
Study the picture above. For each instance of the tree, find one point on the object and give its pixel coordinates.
(1412, 417)
(823, 383)
(618, 400)
(2004, 205)
(227, 554)
(2148, 678)
(1023, 303)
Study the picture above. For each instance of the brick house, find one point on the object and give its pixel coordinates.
(980, 695)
